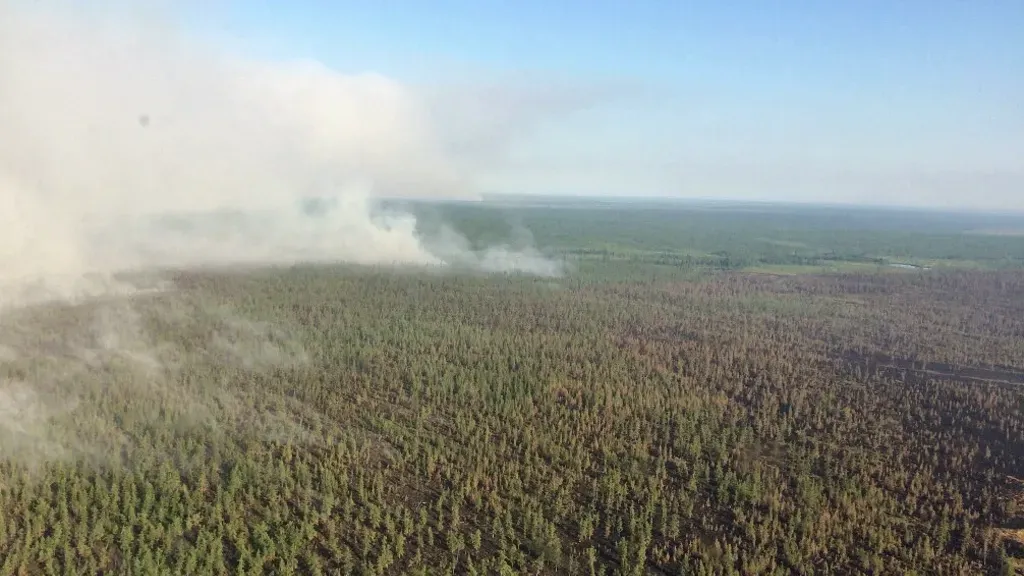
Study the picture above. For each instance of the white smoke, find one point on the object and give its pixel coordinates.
(123, 144)
(519, 255)
(79, 383)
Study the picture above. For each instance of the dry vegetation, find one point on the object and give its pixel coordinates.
(329, 421)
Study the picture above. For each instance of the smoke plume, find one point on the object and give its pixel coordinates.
(125, 147)
(124, 144)
(89, 382)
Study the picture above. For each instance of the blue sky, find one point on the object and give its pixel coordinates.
(894, 102)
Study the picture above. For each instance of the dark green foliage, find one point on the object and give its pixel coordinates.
(740, 424)
(664, 239)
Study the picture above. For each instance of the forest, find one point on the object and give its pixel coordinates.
(707, 389)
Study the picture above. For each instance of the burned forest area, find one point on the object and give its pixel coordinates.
(700, 392)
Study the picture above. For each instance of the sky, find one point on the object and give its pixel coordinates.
(136, 135)
(878, 101)
(903, 102)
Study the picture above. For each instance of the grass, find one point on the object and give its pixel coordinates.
(832, 268)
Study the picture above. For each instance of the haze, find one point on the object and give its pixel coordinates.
(111, 116)
(127, 144)
(907, 103)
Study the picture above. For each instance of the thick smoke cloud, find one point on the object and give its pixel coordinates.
(123, 144)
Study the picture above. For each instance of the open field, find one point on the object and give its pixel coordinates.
(705, 391)
(695, 236)
(1000, 232)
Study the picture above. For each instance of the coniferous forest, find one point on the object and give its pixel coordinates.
(713, 391)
